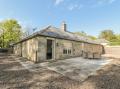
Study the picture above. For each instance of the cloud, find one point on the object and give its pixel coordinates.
(100, 2)
(74, 7)
(111, 1)
(57, 2)
(68, 4)
(77, 4)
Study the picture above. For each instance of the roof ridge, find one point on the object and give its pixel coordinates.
(44, 29)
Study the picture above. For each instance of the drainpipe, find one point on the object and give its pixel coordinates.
(36, 57)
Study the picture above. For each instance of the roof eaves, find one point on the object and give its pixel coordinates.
(33, 35)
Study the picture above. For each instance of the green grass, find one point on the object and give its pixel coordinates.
(115, 43)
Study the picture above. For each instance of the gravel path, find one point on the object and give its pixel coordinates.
(15, 76)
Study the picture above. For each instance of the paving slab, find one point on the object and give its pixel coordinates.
(75, 68)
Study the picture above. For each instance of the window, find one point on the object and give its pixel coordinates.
(64, 51)
(69, 51)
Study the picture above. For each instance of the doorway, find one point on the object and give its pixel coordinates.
(49, 49)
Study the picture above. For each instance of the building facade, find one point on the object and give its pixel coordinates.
(54, 43)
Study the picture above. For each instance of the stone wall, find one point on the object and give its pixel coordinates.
(42, 47)
(27, 49)
(35, 49)
(62, 47)
(77, 49)
(30, 49)
(18, 49)
(92, 50)
(112, 51)
(72, 48)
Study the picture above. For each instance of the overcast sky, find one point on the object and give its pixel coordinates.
(90, 16)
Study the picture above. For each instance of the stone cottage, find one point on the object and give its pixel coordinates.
(53, 43)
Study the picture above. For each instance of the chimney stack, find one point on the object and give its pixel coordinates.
(64, 26)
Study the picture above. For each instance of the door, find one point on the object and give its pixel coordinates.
(49, 49)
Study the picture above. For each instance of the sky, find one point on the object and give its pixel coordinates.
(90, 16)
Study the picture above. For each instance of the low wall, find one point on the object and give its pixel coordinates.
(112, 51)
(6, 50)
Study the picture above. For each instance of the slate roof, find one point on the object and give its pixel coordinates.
(102, 41)
(54, 32)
